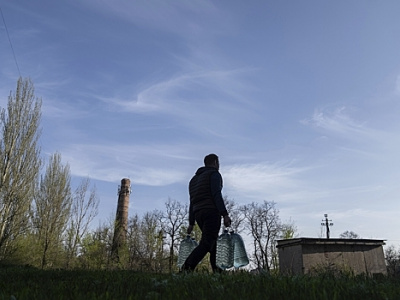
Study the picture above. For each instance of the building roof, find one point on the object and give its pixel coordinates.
(330, 241)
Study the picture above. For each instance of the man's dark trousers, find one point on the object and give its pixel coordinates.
(209, 222)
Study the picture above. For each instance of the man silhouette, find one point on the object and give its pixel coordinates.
(206, 208)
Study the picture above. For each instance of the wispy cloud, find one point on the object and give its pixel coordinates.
(158, 97)
(263, 181)
(340, 123)
(177, 94)
(337, 122)
(151, 165)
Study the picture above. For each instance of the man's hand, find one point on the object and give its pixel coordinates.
(189, 229)
(227, 221)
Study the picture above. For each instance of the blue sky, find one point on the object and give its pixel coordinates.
(300, 100)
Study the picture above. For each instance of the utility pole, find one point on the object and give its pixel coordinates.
(327, 224)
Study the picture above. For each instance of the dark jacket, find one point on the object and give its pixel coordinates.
(205, 192)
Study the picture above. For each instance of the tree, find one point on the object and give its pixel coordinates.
(145, 243)
(52, 208)
(84, 209)
(265, 228)
(133, 243)
(349, 235)
(288, 230)
(96, 248)
(19, 161)
(172, 220)
(236, 214)
(150, 243)
(392, 257)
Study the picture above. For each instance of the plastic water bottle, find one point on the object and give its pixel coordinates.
(186, 247)
(224, 251)
(240, 258)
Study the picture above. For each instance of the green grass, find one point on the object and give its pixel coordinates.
(28, 283)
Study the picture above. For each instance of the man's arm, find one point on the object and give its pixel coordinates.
(190, 229)
(216, 187)
(191, 219)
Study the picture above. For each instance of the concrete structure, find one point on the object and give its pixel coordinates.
(121, 218)
(303, 255)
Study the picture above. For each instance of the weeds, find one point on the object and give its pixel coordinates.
(29, 283)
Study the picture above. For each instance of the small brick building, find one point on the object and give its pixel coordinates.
(302, 255)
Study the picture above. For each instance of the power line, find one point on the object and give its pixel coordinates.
(9, 39)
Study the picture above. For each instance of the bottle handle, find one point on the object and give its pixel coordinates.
(227, 229)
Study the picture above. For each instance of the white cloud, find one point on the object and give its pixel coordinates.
(340, 123)
(263, 181)
(336, 121)
(151, 165)
(177, 94)
(158, 97)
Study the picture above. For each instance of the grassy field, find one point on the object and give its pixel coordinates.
(28, 283)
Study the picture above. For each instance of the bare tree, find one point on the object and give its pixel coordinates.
(133, 243)
(265, 227)
(150, 229)
(236, 214)
(52, 208)
(84, 209)
(144, 243)
(392, 257)
(174, 217)
(19, 161)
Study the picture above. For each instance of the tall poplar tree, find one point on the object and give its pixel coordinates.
(52, 209)
(19, 161)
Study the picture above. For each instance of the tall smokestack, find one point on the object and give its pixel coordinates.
(121, 218)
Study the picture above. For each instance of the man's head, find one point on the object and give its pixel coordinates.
(211, 160)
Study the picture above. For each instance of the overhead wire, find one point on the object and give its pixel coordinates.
(9, 40)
